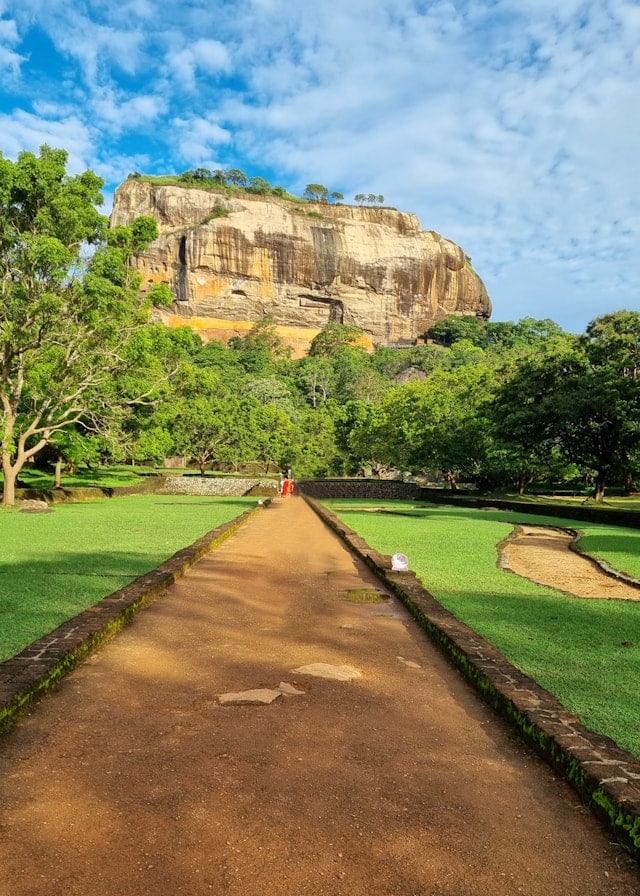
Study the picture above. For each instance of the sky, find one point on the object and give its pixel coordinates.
(511, 127)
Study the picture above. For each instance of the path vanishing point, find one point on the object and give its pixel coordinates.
(265, 728)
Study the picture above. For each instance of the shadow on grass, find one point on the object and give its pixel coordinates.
(39, 594)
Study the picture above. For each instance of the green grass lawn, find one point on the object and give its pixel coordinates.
(576, 649)
(85, 477)
(54, 565)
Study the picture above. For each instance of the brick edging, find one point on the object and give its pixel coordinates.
(606, 776)
(39, 667)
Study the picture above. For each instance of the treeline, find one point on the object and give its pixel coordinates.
(496, 405)
(86, 377)
(235, 179)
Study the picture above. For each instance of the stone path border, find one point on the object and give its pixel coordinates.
(606, 777)
(36, 669)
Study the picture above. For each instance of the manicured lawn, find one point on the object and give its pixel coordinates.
(586, 652)
(54, 565)
(100, 477)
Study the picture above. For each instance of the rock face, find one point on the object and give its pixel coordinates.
(230, 261)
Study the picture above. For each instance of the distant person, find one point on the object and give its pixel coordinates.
(287, 487)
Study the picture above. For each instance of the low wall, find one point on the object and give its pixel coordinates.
(220, 487)
(360, 488)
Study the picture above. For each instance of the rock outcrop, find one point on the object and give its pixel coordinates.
(232, 260)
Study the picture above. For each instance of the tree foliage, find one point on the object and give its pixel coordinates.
(64, 319)
(582, 401)
(316, 192)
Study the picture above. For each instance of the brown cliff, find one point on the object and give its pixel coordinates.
(232, 260)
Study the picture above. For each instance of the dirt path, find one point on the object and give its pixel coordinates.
(543, 555)
(132, 778)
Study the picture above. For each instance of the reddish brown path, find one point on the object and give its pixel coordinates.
(133, 779)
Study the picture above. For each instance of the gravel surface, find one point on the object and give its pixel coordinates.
(543, 555)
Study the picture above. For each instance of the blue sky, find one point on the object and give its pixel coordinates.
(509, 126)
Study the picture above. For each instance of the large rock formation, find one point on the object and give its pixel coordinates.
(231, 261)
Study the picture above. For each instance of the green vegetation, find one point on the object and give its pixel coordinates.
(586, 652)
(236, 181)
(87, 380)
(54, 565)
(67, 324)
(116, 476)
(228, 183)
(368, 198)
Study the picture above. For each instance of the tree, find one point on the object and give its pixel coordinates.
(315, 453)
(582, 401)
(64, 321)
(274, 436)
(451, 329)
(337, 197)
(259, 185)
(438, 425)
(270, 390)
(525, 333)
(206, 428)
(236, 177)
(261, 349)
(316, 192)
(315, 378)
(331, 340)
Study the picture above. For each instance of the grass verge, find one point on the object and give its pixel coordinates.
(587, 653)
(54, 565)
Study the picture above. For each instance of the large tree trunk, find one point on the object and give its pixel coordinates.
(10, 474)
(598, 490)
(451, 478)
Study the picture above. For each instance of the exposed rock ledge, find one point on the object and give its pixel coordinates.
(230, 261)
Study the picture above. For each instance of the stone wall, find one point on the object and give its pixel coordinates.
(372, 489)
(221, 487)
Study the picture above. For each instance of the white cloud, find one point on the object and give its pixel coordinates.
(24, 131)
(196, 139)
(10, 62)
(122, 112)
(200, 57)
(8, 31)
